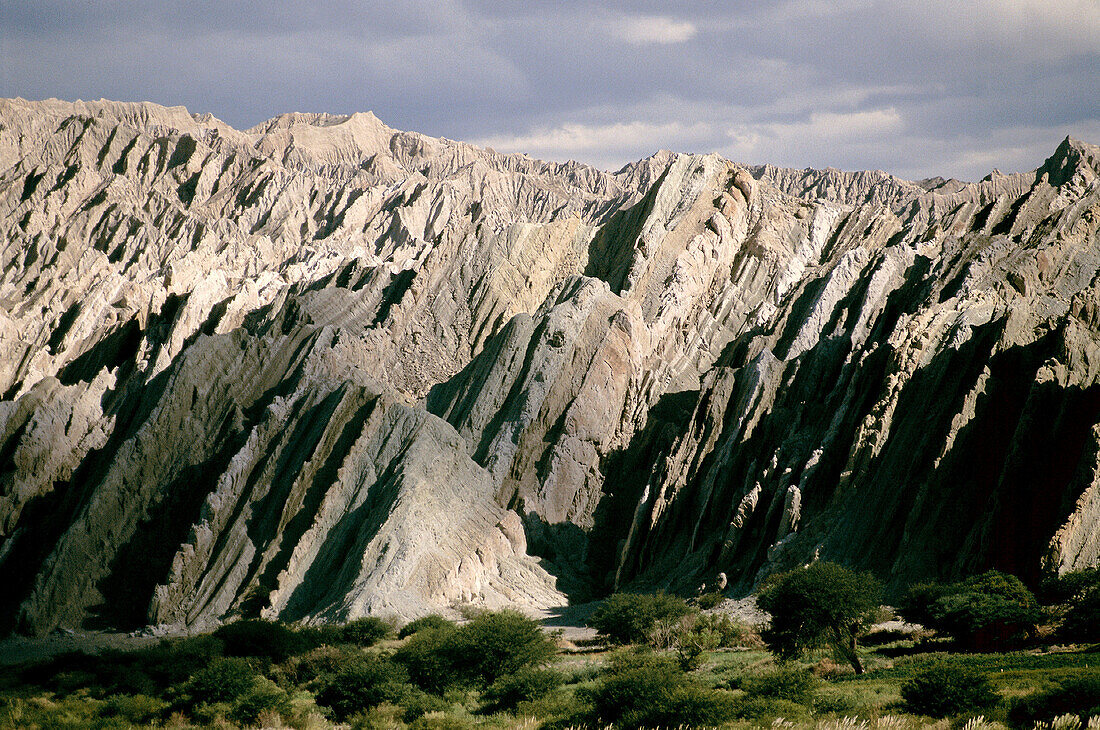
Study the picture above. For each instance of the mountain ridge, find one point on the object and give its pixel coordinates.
(319, 371)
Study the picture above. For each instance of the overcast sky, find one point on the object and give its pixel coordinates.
(915, 87)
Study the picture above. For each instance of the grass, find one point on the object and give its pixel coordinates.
(76, 692)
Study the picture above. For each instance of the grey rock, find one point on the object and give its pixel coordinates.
(323, 368)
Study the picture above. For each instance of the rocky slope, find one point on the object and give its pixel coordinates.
(322, 368)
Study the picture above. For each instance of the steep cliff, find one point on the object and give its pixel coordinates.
(322, 368)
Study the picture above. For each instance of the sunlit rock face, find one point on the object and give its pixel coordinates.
(322, 368)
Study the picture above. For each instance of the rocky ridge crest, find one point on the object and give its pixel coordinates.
(322, 368)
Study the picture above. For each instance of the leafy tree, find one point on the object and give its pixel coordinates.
(823, 604)
(492, 644)
(945, 690)
(495, 643)
(983, 610)
(630, 618)
(362, 685)
(366, 631)
(1064, 588)
(1082, 619)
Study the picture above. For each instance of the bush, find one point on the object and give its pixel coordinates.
(629, 618)
(366, 631)
(224, 680)
(136, 709)
(1077, 695)
(363, 685)
(319, 662)
(257, 638)
(496, 643)
(311, 637)
(1064, 588)
(643, 689)
(983, 611)
(439, 721)
(783, 683)
(433, 621)
(945, 690)
(730, 631)
(525, 685)
(708, 601)
(263, 697)
(768, 708)
(491, 645)
(426, 657)
(1081, 622)
(823, 604)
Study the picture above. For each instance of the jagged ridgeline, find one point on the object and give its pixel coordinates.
(322, 368)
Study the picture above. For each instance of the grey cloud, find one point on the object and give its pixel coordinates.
(954, 88)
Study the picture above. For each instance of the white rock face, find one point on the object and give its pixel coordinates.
(323, 368)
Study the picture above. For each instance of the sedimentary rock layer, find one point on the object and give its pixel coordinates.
(323, 368)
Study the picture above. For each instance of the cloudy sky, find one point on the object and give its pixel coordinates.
(915, 87)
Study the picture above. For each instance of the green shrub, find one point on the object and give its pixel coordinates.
(418, 703)
(1064, 588)
(496, 643)
(768, 708)
(631, 686)
(263, 697)
(783, 683)
(708, 601)
(1076, 695)
(629, 618)
(491, 645)
(1081, 622)
(691, 645)
(433, 621)
(426, 656)
(321, 661)
(730, 631)
(213, 713)
(366, 631)
(948, 689)
(525, 685)
(363, 685)
(254, 637)
(137, 709)
(439, 721)
(385, 716)
(223, 680)
(822, 604)
(984, 611)
(643, 689)
(311, 637)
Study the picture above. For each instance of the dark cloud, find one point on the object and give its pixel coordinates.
(915, 88)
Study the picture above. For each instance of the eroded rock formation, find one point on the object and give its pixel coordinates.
(322, 368)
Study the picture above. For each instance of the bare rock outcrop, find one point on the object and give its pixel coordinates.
(323, 368)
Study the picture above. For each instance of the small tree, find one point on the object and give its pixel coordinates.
(984, 611)
(630, 618)
(491, 645)
(823, 604)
